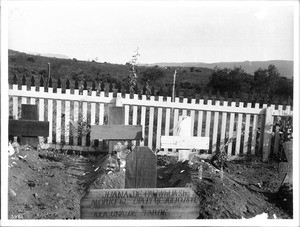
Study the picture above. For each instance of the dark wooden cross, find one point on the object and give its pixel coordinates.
(29, 128)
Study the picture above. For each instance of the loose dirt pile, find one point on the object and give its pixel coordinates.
(49, 185)
(42, 187)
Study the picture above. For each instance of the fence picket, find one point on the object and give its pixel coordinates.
(151, 122)
(50, 115)
(75, 114)
(143, 120)
(58, 118)
(277, 137)
(230, 134)
(127, 96)
(215, 129)
(184, 111)
(67, 119)
(246, 135)
(223, 127)
(135, 110)
(15, 104)
(208, 117)
(254, 131)
(101, 110)
(84, 118)
(41, 106)
(193, 101)
(239, 132)
(167, 121)
(175, 120)
(93, 110)
(262, 126)
(200, 119)
(159, 120)
(24, 99)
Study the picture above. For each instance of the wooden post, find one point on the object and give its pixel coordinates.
(267, 134)
(116, 116)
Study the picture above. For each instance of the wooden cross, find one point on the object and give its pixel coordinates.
(116, 130)
(183, 141)
(29, 128)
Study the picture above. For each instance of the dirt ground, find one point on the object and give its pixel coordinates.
(50, 184)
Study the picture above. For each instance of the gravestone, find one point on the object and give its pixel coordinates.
(29, 127)
(146, 203)
(140, 170)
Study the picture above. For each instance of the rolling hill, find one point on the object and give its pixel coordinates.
(285, 68)
(21, 64)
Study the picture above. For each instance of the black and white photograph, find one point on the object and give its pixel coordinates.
(149, 113)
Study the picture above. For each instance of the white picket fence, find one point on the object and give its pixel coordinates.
(158, 115)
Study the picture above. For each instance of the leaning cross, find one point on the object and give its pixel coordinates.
(29, 128)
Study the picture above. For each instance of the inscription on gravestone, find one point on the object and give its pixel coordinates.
(150, 203)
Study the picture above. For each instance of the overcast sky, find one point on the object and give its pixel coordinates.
(169, 31)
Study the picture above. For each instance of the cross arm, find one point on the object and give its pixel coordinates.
(116, 132)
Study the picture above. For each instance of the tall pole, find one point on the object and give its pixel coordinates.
(48, 70)
(173, 91)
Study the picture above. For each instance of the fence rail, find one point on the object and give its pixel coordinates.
(71, 111)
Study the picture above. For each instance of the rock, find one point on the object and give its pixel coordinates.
(12, 192)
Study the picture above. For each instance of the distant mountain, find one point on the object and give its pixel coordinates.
(61, 56)
(284, 67)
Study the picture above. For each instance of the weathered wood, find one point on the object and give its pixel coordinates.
(116, 132)
(141, 168)
(28, 128)
(181, 142)
(151, 203)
